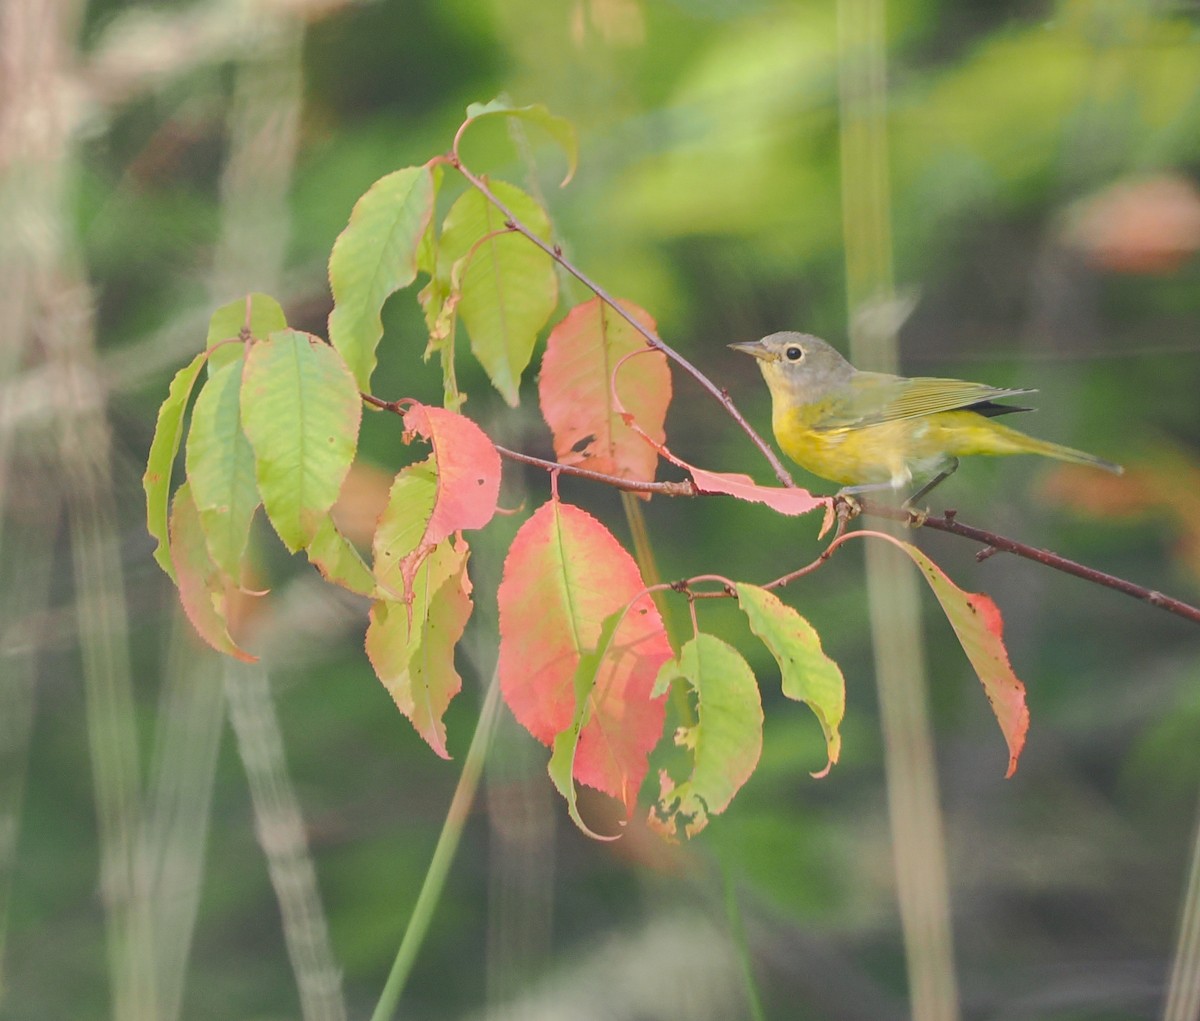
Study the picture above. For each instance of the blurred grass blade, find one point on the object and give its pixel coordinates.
(1183, 988)
(280, 828)
(191, 719)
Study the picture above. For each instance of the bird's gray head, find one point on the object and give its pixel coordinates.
(798, 367)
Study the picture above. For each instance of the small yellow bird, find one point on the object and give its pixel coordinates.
(871, 431)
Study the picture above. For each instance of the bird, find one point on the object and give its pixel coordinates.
(871, 431)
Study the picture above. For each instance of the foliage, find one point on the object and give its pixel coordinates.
(585, 661)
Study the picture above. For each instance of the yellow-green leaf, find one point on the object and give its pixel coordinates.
(505, 287)
(558, 128)
(403, 522)
(156, 481)
(725, 741)
(338, 561)
(220, 468)
(808, 675)
(259, 314)
(375, 256)
(411, 643)
(301, 410)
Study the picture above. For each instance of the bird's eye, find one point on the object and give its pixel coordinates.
(794, 354)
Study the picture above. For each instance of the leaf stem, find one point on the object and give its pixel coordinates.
(443, 856)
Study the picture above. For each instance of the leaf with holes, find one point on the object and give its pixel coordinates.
(575, 387)
(725, 741)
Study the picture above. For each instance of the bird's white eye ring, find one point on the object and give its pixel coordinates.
(794, 354)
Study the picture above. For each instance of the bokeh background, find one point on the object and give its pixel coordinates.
(182, 837)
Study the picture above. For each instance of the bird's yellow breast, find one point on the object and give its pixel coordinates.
(890, 452)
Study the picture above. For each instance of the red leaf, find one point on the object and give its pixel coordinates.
(203, 590)
(468, 478)
(790, 501)
(576, 391)
(564, 574)
(468, 470)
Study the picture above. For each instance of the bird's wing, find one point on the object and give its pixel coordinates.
(877, 397)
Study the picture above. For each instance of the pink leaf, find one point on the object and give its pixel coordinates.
(576, 392)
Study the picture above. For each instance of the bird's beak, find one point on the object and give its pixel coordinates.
(753, 347)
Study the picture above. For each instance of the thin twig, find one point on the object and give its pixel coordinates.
(994, 543)
(652, 339)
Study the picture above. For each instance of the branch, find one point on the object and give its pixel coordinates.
(994, 543)
(652, 339)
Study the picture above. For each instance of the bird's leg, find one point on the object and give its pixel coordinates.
(937, 480)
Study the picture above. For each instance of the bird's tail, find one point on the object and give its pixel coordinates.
(1014, 442)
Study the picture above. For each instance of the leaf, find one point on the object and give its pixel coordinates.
(564, 576)
(411, 645)
(468, 470)
(980, 629)
(227, 322)
(604, 746)
(220, 467)
(156, 481)
(338, 561)
(505, 287)
(375, 256)
(791, 501)
(559, 128)
(301, 411)
(808, 675)
(576, 393)
(202, 587)
(725, 741)
(403, 522)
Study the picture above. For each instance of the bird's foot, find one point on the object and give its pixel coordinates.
(847, 506)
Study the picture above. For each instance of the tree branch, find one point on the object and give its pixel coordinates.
(994, 543)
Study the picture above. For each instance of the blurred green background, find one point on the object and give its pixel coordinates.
(157, 160)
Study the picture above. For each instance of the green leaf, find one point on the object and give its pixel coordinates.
(505, 288)
(725, 741)
(566, 742)
(558, 128)
(403, 522)
(375, 256)
(338, 561)
(260, 314)
(220, 467)
(808, 675)
(301, 410)
(156, 481)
